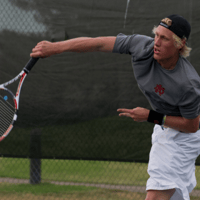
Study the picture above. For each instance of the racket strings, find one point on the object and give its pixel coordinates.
(7, 112)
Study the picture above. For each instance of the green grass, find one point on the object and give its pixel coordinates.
(72, 171)
(42, 188)
(58, 192)
(78, 171)
(119, 173)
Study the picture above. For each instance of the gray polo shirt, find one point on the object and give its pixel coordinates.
(171, 92)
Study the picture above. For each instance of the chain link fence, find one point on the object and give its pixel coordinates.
(68, 142)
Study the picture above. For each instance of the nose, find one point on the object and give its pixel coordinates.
(157, 41)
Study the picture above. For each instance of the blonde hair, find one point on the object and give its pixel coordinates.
(185, 50)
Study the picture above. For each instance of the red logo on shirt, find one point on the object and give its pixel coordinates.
(159, 89)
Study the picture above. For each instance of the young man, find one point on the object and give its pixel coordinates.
(171, 85)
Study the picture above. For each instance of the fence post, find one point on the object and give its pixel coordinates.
(35, 154)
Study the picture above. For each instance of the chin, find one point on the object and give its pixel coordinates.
(156, 57)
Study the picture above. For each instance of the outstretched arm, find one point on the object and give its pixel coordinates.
(178, 123)
(83, 44)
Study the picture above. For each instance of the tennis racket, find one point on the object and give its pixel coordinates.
(9, 103)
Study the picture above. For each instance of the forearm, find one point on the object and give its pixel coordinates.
(82, 44)
(86, 44)
(182, 124)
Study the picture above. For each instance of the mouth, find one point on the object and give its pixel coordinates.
(156, 50)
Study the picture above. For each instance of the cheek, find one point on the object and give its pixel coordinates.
(169, 50)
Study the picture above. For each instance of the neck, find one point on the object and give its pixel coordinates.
(169, 63)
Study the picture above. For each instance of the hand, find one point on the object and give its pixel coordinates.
(137, 114)
(43, 49)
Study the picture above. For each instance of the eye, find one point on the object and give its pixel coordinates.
(156, 35)
(164, 38)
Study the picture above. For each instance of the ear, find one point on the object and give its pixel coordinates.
(182, 44)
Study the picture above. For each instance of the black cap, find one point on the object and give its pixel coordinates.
(177, 24)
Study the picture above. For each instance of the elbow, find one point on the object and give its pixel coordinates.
(192, 131)
(99, 44)
(193, 128)
(191, 125)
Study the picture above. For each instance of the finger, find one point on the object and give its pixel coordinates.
(125, 115)
(35, 49)
(124, 110)
(37, 54)
(41, 43)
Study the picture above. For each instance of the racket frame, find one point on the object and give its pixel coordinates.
(22, 75)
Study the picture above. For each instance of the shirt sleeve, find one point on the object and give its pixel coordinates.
(190, 105)
(139, 46)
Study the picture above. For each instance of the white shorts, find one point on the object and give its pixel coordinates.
(172, 161)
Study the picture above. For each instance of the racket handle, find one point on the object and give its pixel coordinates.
(30, 65)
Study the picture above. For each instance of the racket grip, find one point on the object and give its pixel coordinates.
(30, 64)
